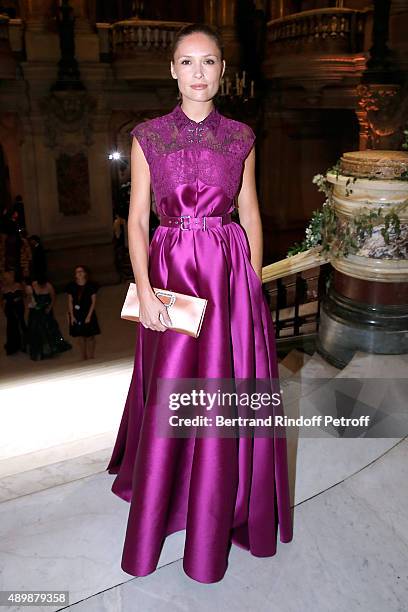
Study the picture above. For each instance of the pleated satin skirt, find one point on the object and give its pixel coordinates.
(220, 490)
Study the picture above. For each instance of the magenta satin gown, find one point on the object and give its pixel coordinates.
(221, 490)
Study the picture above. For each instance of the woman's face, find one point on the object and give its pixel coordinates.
(80, 275)
(198, 67)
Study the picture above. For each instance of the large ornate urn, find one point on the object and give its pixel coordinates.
(367, 303)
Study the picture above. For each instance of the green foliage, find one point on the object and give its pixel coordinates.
(405, 143)
(331, 234)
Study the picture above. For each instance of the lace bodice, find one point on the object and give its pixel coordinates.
(181, 151)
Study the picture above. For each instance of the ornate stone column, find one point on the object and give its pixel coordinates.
(210, 12)
(382, 97)
(277, 9)
(41, 40)
(382, 114)
(226, 21)
(367, 304)
(86, 39)
(398, 32)
(37, 10)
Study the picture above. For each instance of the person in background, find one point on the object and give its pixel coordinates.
(12, 302)
(44, 336)
(38, 261)
(83, 321)
(25, 256)
(119, 227)
(18, 210)
(12, 243)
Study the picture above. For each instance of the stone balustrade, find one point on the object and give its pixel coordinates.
(127, 39)
(321, 30)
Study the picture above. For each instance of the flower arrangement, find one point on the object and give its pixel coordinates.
(370, 233)
(405, 143)
(316, 234)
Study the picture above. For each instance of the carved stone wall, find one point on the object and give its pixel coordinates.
(313, 109)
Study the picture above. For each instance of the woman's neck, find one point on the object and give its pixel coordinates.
(197, 111)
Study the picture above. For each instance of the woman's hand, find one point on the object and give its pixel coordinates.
(88, 319)
(150, 309)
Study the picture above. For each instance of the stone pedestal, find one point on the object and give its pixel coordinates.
(367, 316)
(366, 307)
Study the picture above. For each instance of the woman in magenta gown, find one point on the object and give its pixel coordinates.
(220, 490)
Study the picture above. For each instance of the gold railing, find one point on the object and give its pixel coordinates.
(331, 29)
(291, 265)
(295, 288)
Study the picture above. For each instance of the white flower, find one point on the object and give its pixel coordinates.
(317, 178)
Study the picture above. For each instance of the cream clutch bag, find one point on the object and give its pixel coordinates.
(185, 311)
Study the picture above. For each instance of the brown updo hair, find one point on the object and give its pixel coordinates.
(193, 28)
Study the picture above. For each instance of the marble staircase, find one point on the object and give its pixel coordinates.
(61, 527)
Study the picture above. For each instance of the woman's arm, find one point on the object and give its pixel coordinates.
(71, 308)
(52, 294)
(28, 300)
(138, 236)
(138, 220)
(92, 308)
(249, 215)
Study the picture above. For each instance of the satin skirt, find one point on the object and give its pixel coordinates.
(220, 490)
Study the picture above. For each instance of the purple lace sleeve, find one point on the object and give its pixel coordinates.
(140, 131)
(242, 138)
(248, 139)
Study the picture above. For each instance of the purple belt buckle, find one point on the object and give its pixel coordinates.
(182, 226)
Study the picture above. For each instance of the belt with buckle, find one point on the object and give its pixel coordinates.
(186, 222)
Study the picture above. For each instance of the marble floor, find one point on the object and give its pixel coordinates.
(61, 528)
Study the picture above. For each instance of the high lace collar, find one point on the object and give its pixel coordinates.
(211, 121)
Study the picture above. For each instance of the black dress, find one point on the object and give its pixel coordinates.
(16, 327)
(44, 336)
(81, 304)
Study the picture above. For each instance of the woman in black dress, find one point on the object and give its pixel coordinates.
(83, 322)
(12, 301)
(44, 335)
